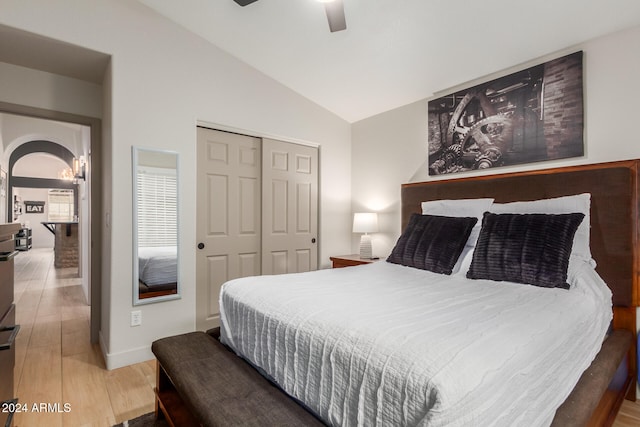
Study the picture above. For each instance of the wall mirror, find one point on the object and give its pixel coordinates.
(155, 226)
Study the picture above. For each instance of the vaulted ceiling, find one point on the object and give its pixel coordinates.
(393, 52)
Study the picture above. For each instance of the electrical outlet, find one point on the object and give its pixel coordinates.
(136, 318)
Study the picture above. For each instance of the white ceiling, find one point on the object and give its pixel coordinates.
(393, 52)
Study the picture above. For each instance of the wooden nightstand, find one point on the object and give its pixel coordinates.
(350, 260)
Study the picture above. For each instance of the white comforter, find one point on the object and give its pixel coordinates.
(386, 345)
(158, 265)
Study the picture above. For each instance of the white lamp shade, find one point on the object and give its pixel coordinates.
(365, 222)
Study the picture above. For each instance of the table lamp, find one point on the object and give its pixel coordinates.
(365, 222)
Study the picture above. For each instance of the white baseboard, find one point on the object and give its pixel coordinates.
(125, 358)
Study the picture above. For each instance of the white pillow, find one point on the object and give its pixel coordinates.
(460, 208)
(559, 205)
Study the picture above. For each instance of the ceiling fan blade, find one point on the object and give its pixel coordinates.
(244, 2)
(335, 15)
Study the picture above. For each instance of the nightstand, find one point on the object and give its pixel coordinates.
(350, 260)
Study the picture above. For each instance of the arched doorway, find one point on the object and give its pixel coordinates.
(27, 149)
(43, 196)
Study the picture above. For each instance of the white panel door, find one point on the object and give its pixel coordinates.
(290, 207)
(228, 216)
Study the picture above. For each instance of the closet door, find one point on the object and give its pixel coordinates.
(228, 216)
(289, 207)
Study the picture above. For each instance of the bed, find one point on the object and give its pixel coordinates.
(157, 271)
(304, 337)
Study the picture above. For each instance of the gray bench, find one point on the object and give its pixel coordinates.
(597, 397)
(201, 382)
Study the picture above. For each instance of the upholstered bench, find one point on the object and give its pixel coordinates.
(201, 382)
(598, 395)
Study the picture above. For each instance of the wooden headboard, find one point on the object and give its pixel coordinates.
(614, 215)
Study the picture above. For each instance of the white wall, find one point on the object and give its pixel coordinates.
(387, 149)
(4, 184)
(161, 82)
(396, 141)
(49, 91)
(3, 196)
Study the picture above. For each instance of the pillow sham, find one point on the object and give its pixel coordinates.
(525, 248)
(559, 205)
(432, 242)
(460, 208)
(457, 207)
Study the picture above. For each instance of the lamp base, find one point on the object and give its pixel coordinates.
(366, 252)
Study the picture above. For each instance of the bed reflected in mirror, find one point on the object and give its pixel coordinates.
(155, 226)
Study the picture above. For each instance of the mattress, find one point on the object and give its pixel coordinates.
(158, 265)
(383, 344)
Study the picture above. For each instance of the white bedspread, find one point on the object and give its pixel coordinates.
(158, 265)
(386, 345)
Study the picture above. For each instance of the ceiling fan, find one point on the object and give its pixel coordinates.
(334, 9)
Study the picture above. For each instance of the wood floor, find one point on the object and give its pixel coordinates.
(56, 364)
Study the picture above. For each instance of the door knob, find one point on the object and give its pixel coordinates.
(313, 240)
(200, 245)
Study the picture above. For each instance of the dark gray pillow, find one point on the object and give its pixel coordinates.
(525, 248)
(432, 242)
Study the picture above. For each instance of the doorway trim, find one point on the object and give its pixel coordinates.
(95, 207)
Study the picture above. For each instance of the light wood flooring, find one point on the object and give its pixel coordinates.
(55, 363)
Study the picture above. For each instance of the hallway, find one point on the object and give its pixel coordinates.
(56, 364)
